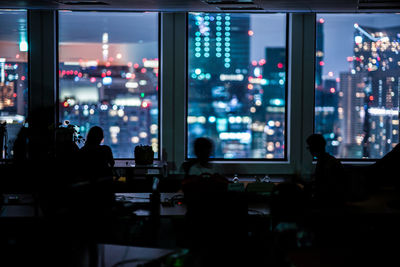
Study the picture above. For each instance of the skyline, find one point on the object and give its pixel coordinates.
(105, 70)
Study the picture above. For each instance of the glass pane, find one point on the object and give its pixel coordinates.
(13, 76)
(109, 76)
(237, 84)
(357, 83)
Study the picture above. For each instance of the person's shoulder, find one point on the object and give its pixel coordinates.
(331, 160)
(105, 148)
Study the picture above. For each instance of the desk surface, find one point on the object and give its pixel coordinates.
(135, 256)
(261, 209)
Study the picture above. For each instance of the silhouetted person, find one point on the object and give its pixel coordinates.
(386, 171)
(329, 173)
(96, 171)
(200, 174)
(387, 167)
(97, 160)
(203, 148)
(215, 218)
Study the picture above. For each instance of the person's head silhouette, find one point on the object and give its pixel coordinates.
(94, 136)
(203, 148)
(316, 144)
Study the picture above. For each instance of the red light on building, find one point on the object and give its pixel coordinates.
(108, 72)
(262, 62)
(337, 80)
(371, 98)
(103, 74)
(17, 56)
(136, 65)
(279, 65)
(349, 59)
(332, 90)
(250, 86)
(129, 64)
(254, 63)
(93, 79)
(80, 74)
(144, 60)
(14, 95)
(145, 104)
(321, 20)
(108, 64)
(65, 104)
(23, 78)
(76, 72)
(250, 33)
(143, 70)
(111, 59)
(321, 63)
(379, 58)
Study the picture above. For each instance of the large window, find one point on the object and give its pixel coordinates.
(108, 76)
(237, 84)
(13, 77)
(357, 83)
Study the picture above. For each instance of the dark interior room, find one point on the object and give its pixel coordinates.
(196, 133)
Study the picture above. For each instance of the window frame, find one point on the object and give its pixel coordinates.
(159, 83)
(346, 161)
(7, 156)
(243, 160)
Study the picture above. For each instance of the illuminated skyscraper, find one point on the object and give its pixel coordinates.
(218, 73)
(274, 98)
(351, 111)
(319, 52)
(376, 55)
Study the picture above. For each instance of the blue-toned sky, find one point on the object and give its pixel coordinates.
(339, 36)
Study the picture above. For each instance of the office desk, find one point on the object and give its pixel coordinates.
(259, 209)
(19, 205)
(110, 255)
(131, 169)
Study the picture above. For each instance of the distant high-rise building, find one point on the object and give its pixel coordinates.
(319, 52)
(351, 112)
(274, 97)
(376, 56)
(326, 114)
(218, 69)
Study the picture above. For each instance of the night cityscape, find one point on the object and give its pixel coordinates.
(357, 110)
(246, 118)
(108, 81)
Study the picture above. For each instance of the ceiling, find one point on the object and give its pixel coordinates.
(212, 5)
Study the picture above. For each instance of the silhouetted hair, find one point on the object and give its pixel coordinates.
(203, 147)
(94, 136)
(317, 141)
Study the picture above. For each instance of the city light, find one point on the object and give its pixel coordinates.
(23, 46)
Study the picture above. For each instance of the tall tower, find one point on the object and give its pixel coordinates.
(319, 52)
(376, 55)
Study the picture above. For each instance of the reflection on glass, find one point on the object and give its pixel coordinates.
(236, 89)
(109, 76)
(13, 76)
(357, 83)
